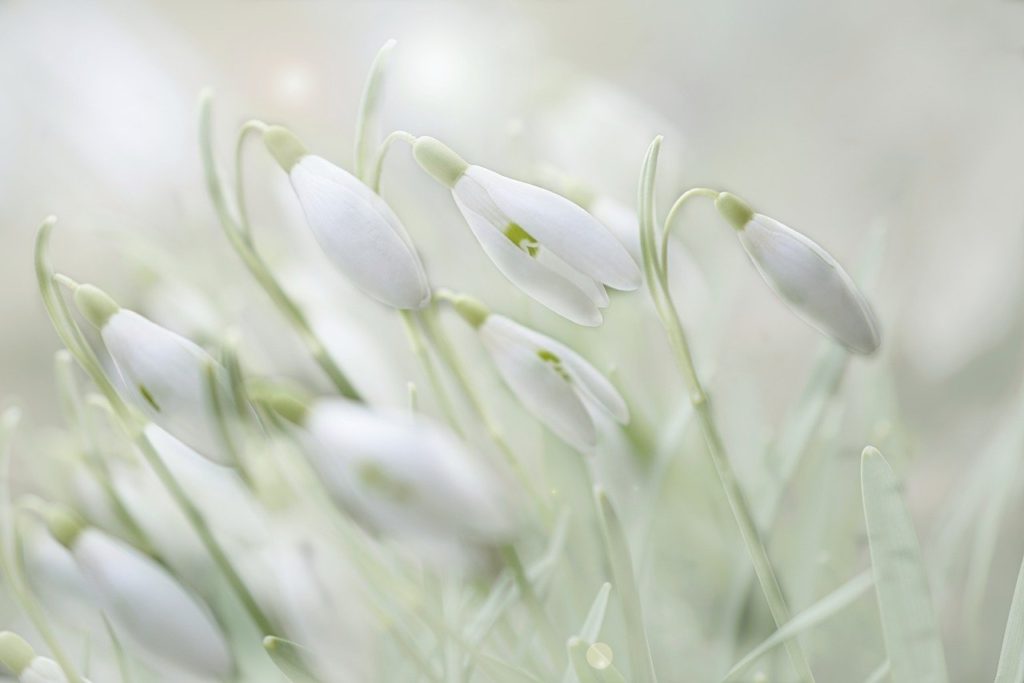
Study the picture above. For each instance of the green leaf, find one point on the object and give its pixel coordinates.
(1011, 658)
(832, 603)
(909, 627)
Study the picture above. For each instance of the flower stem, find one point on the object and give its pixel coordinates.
(241, 240)
(422, 353)
(655, 268)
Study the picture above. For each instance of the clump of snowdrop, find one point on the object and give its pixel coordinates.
(545, 244)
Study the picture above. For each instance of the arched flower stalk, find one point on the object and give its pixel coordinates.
(543, 243)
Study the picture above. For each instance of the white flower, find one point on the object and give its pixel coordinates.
(401, 474)
(18, 656)
(164, 373)
(545, 244)
(144, 602)
(557, 385)
(357, 229)
(805, 276)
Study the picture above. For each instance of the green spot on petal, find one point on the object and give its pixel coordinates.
(522, 239)
(555, 362)
(149, 397)
(378, 480)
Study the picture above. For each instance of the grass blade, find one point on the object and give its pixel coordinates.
(909, 627)
(1011, 658)
(832, 603)
(591, 628)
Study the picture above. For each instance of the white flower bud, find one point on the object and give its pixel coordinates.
(18, 656)
(401, 474)
(356, 228)
(557, 385)
(812, 282)
(144, 602)
(545, 244)
(164, 373)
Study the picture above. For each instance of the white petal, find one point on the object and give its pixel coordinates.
(151, 608)
(537, 385)
(404, 475)
(563, 227)
(165, 376)
(360, 233)
(593, 386)
(621, 221)
(593, 289)
(527, 273)
(811, 281)
(44, 670)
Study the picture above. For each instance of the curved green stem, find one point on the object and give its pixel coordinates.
(657, 279)
(670, 220)
(378, 162)
(368, 103)
(10, 554)
(252, 126)
(243, 245)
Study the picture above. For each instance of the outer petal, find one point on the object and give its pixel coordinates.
(44, 670)
(150, 607)
(539, 281)
(538, 385)
(165, 376)
(811, 281)
(563, 227)
(595, 387)
(360, 233)
(404, 475)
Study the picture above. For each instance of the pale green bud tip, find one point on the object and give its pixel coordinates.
(64, 524)
(286, 148)
(95, 304)
(288, 406)
(734, 210)
(473, 311)
(439, 160)
(15, 652)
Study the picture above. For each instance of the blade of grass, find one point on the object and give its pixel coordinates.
(1011, 657)
(828, 606)
(591, 628)
(909, 628)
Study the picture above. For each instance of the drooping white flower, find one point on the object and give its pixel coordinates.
(557, 385)
(545, 244)
(401, 474)
(165, 374)
(356, 228)
(143, 601)
(18, 656)
(812, 282)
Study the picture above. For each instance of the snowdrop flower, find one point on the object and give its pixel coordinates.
(401, 474)
(18, 656)
(164, 373)
(545, 244)
(814, 285)
(357, 230)
(552, 381)
(146, 604)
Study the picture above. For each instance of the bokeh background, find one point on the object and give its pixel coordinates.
(899, 118)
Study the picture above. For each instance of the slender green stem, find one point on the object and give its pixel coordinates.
(368, 103)
(548, 634)
(242, 243)
(670, 219)
(378, 163)
(422, 353)
(253, 126)
(10, 555)
(657, 278)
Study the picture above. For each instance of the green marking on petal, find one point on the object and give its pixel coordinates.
(377, 479)
(149, 397)
(555, 362)
(522, 239)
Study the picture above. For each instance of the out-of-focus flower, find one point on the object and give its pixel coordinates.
(357, 229)
(18, 656)
(545, 244)
(401, 474)
(146, 604)
(164, 373)
(814, 285)
(557, 385)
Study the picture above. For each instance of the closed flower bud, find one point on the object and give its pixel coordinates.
(402, 475)
(813, 284)
(557, 385)
(18, 656)
(144, 602)
(164, 373)
(545, 244)
(357, 229)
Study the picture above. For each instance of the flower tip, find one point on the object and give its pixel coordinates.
(285, 147)
(64, 524)
(288, 406)
(439, 160)
(15, 652)
(95, 304)
(734, 209)
(472, 310)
